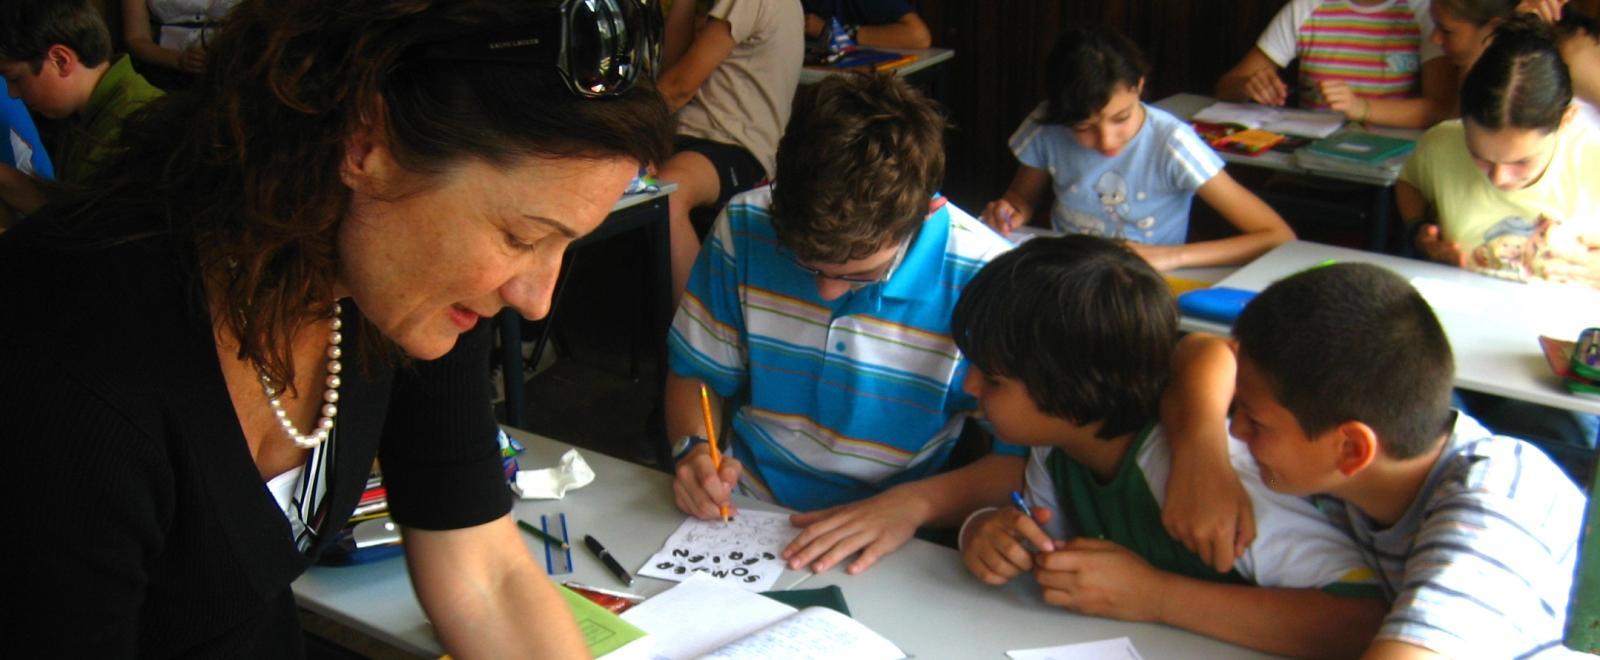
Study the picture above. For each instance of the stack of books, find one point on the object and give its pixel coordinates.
(1357, 154)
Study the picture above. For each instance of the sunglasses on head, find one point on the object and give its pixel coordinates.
(600, 47)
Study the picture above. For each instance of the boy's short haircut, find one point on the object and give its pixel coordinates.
(1084, 323)
(1084, 68)
(28, 28)
(1353, 342)
(859, 162)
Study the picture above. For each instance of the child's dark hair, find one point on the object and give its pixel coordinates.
(1520, 81)
(28, 28)
(1352, 342)
(1478, 12)
(1084, 68)
(1084, 323)
(857, 165)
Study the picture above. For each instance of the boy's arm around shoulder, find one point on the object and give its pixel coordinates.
(1206, 507)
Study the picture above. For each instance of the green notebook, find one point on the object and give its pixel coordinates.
(830, 597)
(1368, 148)
(603, 631)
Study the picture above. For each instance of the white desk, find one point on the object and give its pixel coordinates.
(926, 58)
(1493, 324)
(920, 597)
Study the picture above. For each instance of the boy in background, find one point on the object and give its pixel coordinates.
(873, 23)
(820, 306)
(55, 56)
(1343, 394)
(1070, 341)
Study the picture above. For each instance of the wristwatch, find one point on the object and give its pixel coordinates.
(681, 447)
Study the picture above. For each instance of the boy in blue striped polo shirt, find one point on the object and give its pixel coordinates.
(1343, 394)
(820, 307)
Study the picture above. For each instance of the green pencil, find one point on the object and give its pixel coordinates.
(544, 535)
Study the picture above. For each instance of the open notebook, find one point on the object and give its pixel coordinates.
(705, 618)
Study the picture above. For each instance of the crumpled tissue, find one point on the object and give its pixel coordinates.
(570, 473)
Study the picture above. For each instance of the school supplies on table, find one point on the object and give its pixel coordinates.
(1248, 142)
(1357, 154)
(831, 597)
(705, 618)
(545, 536)
(1308, 123)
(606, 634)
(1563, 357)
(1218, 304)
(616, 602)
(611, 562)
(746, 551)
(557, 557)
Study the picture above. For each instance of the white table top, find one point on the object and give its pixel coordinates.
(920, 597)
(1493, 324)
(1186, 105)
(926, 57)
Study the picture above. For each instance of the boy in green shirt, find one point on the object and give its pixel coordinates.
(55, 56)
(1071, 341)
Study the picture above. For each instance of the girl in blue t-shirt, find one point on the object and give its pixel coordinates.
(1123, 169)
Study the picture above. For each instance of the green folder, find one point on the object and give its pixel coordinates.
(830, 597)
(1367, 148)
(603, 631)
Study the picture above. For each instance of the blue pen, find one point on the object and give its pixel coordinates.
(1016, 498)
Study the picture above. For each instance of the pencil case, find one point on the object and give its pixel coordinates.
(1218, 304)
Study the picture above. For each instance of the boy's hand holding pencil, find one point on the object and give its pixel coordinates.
(1003, 543)
(705, 478)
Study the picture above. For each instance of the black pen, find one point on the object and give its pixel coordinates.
(606, 558)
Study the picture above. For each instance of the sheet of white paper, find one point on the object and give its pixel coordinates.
(1308, 123)
(815, 633)
(702, 614)
(1120, 648)
(743, 551)
(22, 153)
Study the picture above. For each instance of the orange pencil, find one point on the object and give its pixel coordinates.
(711, 439)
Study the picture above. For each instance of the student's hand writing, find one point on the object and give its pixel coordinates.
(1100, 578)
(1435, 247)
(1209, 511)
(1548, 11)
(1003, 217)
(1265, 87)
(814, 26)
(994, 550)
(875, 526)
(701, 490)
(1341, 99)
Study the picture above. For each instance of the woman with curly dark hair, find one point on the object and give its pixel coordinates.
(284, 273)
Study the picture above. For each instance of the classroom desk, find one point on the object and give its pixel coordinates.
(641, 211)
(1493, 324)
(919, 597)
(927, 58)
(1380, 182)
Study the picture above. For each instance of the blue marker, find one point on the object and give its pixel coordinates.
(1016, 498)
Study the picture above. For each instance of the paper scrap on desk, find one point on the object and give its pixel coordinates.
(1120, 648)
(570, 473)
(745, 551)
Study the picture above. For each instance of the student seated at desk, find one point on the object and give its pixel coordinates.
(1070, 340)
(873, 23)
(1372, 60)
(821, 305)
(1343, 395)
(1464, 27)
(1123, 169)
(730, 76)
(1509, 189)
(56, 57)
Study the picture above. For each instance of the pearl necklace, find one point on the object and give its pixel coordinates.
(330, 396)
